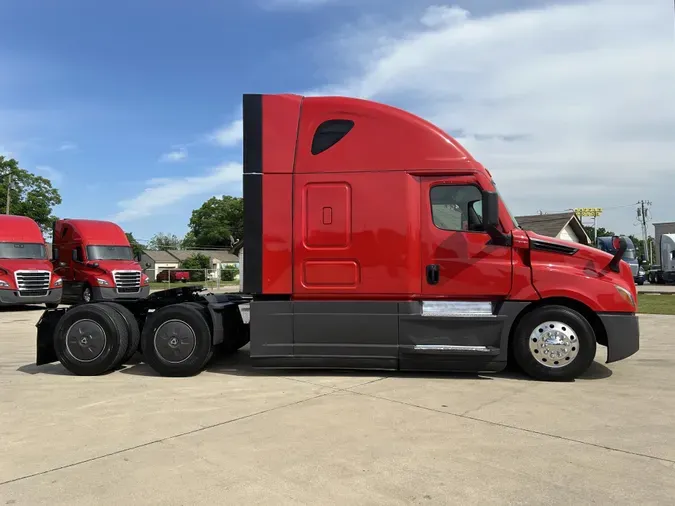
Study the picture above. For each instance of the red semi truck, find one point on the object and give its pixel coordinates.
(96, 262)
(373, 240)
(26, 275)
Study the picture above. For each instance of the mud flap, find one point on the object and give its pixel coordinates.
(46, 327)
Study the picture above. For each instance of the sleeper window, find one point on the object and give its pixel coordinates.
(456, 207)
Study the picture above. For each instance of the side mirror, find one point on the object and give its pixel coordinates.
(147, 265)
(491, 219)
(620, 246)
(63, 264)
(642, 259)
(490, 210)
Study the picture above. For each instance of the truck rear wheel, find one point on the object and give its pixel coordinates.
(554, 343)
(91, 339)
(177, 341)
(132, 328)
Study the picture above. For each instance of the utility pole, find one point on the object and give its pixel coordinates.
(643, 216)
(9, 187)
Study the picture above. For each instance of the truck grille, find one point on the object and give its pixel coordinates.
(634, 269)
(127, 281)
(33, 283)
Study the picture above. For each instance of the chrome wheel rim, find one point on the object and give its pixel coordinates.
(554, 344)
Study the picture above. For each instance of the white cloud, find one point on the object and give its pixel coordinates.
(175, 156)
(161, 193)
(55, 176)
(585, 92)
(229, 135)
(67, 146)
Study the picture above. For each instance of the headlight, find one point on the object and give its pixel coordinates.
(145, 279)
(641, 271)
(625, 294)
(101, 282)
(58, 282)
(4, 284)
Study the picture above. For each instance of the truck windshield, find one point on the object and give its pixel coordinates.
(109, 253)
(513, 218)
(22, 250)
(629, 254)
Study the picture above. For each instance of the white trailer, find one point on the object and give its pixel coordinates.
(664, 270)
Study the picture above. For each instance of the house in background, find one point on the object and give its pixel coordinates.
(238, 249)
(565, 226)
(154, 262)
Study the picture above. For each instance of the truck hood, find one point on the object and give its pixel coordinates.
(25, 264)
(592, 261)
(118, 265)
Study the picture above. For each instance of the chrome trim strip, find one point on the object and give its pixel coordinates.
(456, 308)
(451, 347)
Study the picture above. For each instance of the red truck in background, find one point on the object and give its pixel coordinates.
(174, 276)
(96, 262)
(372, 240)
(26, 275)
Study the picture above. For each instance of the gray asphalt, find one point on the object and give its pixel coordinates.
(235, 436)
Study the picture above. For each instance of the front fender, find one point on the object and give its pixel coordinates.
(595, 292)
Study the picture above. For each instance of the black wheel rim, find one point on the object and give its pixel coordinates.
(85, 340)
(175, 341)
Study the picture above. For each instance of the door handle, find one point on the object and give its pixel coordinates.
(433, 274)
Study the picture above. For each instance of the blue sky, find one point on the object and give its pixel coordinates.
(132, 106)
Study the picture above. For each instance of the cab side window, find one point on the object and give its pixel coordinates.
(457, 207)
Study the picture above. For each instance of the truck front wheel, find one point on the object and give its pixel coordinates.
(554, 343)
(177, 341)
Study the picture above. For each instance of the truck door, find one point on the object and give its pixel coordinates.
(459, 261)
(454, 325)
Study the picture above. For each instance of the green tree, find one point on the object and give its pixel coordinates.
(602, 232)
(30, 195)
(163, 241)
(135, 245)
(217, 221)
(199, 263)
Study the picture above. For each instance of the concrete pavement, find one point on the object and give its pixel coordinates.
(236, 436)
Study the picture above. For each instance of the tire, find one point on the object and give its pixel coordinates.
(564, 360)
(105, 342)
(177, 340)
(132, 328)
(207, 316)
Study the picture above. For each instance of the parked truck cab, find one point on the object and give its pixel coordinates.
(96, 262)
(372, 240)
(630, 256)
(26, 275)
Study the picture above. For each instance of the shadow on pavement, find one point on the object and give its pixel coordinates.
(21, 309)
(239, 364)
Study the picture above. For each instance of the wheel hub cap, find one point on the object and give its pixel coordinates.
(554, 344)
(175, 341)
(85, 340)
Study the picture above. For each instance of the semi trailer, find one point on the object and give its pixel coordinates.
(372, 240)
(96, 262)
(26, 275)
(663, 269)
